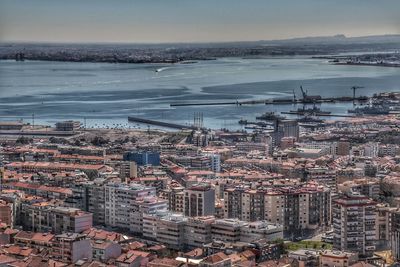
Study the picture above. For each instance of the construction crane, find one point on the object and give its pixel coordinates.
(294, 97)
(354, 88)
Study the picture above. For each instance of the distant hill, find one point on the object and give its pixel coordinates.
(339, 39)
(177, 52)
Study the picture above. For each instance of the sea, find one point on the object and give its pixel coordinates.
(103, 95)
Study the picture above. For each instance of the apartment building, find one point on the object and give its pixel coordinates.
(369, 187)
(120, 201)
(233, 202)
(260, 230)
(299, 209)
(198, 231)
(227, 230)
(165, 227)
(50, 167)
(146, 205)
(6, 213)
(354, 223)
(175, 197)
(323, 176)
(68, 125)
(45, 217)
(71, 247)
(395, 234)
(89, 196)
(199, 200)
(96, 202)
(334, 258)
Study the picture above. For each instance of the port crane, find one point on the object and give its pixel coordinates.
(309, 98)
(354, 88)
(303, 92)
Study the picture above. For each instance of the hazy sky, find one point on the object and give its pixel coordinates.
(192, 20)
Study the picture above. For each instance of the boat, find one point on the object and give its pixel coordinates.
(269, 116)
(371, 110)
(314, 111)
(310, 119)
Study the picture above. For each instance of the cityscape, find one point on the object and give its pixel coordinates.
(273, 150)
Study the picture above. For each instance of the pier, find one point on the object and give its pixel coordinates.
(318, 114)
(161, 123)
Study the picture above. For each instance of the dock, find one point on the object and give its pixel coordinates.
(318, 114)
(161, 123)
(273, 101)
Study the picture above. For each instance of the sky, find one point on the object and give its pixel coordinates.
(159, 21)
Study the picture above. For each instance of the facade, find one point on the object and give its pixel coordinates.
(68, 125)
(71, 247)
(120, 203)
(147, 205)
(290, 128)
(175, 197)
(104, 250)
(166, 228)
(369, 187)
(354, 224)
(215, 160)
(97, 202)
(227, 230)
(323, 176)
(343, 148)
(260, 230)
(6, 213)
(233, 202)
(47, 218)
(305, 257)
(383, 225)
(128, 170)
(198, 231)
(284, 128)
(299, 209)
(217, 260)
(335, 258)
(199, 200)
(395, 234)
(11, 125)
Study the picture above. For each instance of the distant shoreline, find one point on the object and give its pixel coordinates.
(388, 65)
(375, 60)
(120, 61)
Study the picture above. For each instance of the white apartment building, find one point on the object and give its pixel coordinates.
(120, 203)
(147, 205)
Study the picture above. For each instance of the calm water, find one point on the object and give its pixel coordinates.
(106, 94)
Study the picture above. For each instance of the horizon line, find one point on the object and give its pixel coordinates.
(342, 36)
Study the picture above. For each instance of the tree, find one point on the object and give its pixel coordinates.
(22, 140)
(99, 141)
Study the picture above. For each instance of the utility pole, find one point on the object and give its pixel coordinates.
(33, 120)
